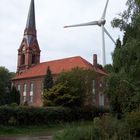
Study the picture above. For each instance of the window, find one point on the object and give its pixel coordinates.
(42, 87)
(31, 92)
(24, 92)
(93, 89)
(18, 87)
(100, 85)
(23, 55)
(22, 59)
(101, 99)
(33, 58)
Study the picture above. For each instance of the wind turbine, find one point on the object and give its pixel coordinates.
(101, 22)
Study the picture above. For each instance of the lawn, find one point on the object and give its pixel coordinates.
(29, 130)
(38, 130)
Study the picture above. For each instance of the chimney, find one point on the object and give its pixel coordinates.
(95, 60)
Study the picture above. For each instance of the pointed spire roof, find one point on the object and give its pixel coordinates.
(31, 17)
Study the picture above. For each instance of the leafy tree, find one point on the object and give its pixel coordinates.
(5, 85)
(71, 88)
(121, 94)
(48, 81)
(108, 68)
(15, 96)
(124, 83)
(59, 95)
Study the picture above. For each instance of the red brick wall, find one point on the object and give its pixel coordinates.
(37, 90)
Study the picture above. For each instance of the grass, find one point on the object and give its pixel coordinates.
(81, 131)
(38, 130)
(29, 130)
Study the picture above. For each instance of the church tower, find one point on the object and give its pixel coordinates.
(29, 51)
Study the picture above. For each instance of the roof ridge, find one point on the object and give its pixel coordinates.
(59, 59)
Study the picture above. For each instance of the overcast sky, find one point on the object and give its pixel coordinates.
(55, 41)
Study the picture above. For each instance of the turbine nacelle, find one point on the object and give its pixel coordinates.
(101, 22)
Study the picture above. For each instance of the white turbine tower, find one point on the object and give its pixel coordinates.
(101, 22)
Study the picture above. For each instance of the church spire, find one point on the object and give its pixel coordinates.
(29, 51)
(31, 16)
(31, 25)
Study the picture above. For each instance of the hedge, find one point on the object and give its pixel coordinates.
(49, 115)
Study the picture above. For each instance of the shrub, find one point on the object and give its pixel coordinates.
(132, 121)
(36, 116)
(105, 127)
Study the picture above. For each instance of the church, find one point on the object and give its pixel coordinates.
(31, 72)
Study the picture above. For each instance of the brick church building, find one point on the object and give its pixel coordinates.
(31, 72)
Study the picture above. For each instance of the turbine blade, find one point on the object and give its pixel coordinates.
(109, 35)
(104, 13)
(83, 24)
(103, 47)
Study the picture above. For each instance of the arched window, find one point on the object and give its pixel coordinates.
(24, 92)
(33, 59)
(23, 56)
(18, 87)
(101, 99)
(22, 59)
(93, 87)
(42, 88)
(31, 92)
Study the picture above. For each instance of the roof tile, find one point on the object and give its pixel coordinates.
(56, 67)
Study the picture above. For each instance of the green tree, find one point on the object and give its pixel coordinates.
(108, 68)
(15, 96)
(48, 81)
(59, 95)
(71, 88)
(124, 83)
(5, 85)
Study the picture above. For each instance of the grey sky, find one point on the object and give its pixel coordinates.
(55, 41)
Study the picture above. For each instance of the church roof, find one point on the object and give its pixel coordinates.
(31, 17)
(57, 66)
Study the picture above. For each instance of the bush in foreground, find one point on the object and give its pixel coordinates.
(38, 116)
(104, 128)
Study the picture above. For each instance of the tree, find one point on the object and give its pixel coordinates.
(108, 68)
(59, 95)
(71, 88)
(5, 85)
(15, 96)
(124, 83)
(48, 81)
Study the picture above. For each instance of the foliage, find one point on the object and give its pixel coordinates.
(74, 132)
(104, 128)
(5, 85)
(109, 128)
(48, 81)
(124, 82)
(71, 88)
(108, 68)
(132, 121)
(37, 116)
(122, 94)
(15, 96)
(59, 95)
